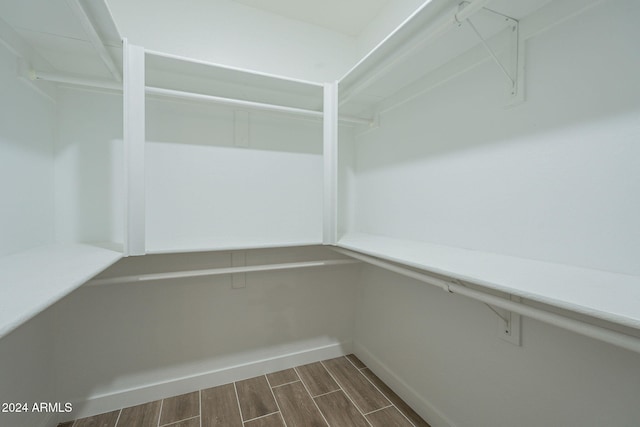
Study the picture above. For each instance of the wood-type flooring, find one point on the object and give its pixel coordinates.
(340, 392)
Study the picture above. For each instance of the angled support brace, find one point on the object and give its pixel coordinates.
(504, 317)
(513, 66)
(508, 324)
(508, 321)
(504, 70)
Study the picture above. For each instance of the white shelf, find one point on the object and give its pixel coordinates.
(428, 39)
(35, 279)
(431, 46)
(185, 74)
(600, 294)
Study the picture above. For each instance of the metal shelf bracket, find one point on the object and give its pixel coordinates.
(508, 324)
(513, 66)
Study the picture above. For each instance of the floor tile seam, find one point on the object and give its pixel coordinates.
(179, 421)
(235, 389)
(282, 385)
(381, 409)
(160, 412)
(329, 392)
(275, 400)
(380, 391)
(261, 416)
(312, 398)
(388, 398)
(342, 388)
(355, 366)
(296, 372)
(345, 393)
(308, 390)
(375, 386)
(117, 419)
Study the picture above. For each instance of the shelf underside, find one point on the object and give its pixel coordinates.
(609, 296)
(184, 74)
(431, 48)
(35, 279)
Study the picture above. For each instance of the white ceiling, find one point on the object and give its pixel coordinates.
(348, 17)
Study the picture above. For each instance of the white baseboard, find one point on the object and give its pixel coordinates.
(419, 404)
(99, 404)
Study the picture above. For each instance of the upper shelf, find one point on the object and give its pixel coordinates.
(35, 279)
(67, 37)
(436, 43)
(189, 75)
(592, 292)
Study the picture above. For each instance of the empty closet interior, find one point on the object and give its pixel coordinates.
(199, 194)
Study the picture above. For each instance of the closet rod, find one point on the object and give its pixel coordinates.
(248, 104)
(603, 334)
(74, 80)
(106, 84)
(218, 271)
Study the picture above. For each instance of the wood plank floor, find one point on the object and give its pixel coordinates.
(340, 392)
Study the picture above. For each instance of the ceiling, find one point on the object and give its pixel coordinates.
(348, 17)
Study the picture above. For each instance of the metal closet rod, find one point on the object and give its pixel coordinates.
(603, 334)
(110, 85)
(75, 80)
(248, 104)
(218, 271)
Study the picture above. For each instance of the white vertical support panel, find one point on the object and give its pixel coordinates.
(134, 140)
(330, 158)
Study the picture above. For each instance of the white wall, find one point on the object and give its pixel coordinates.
(225, 32)
(446, 349)
(27, 131)
(553, 179)
(27, 371)
(132, 337)
(89, 171)
(203, 191)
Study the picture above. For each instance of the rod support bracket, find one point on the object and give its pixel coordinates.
(509, 328)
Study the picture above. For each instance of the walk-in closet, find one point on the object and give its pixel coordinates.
(243, 213)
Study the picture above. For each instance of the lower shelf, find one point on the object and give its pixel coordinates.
(600, 294)
(35, 279)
